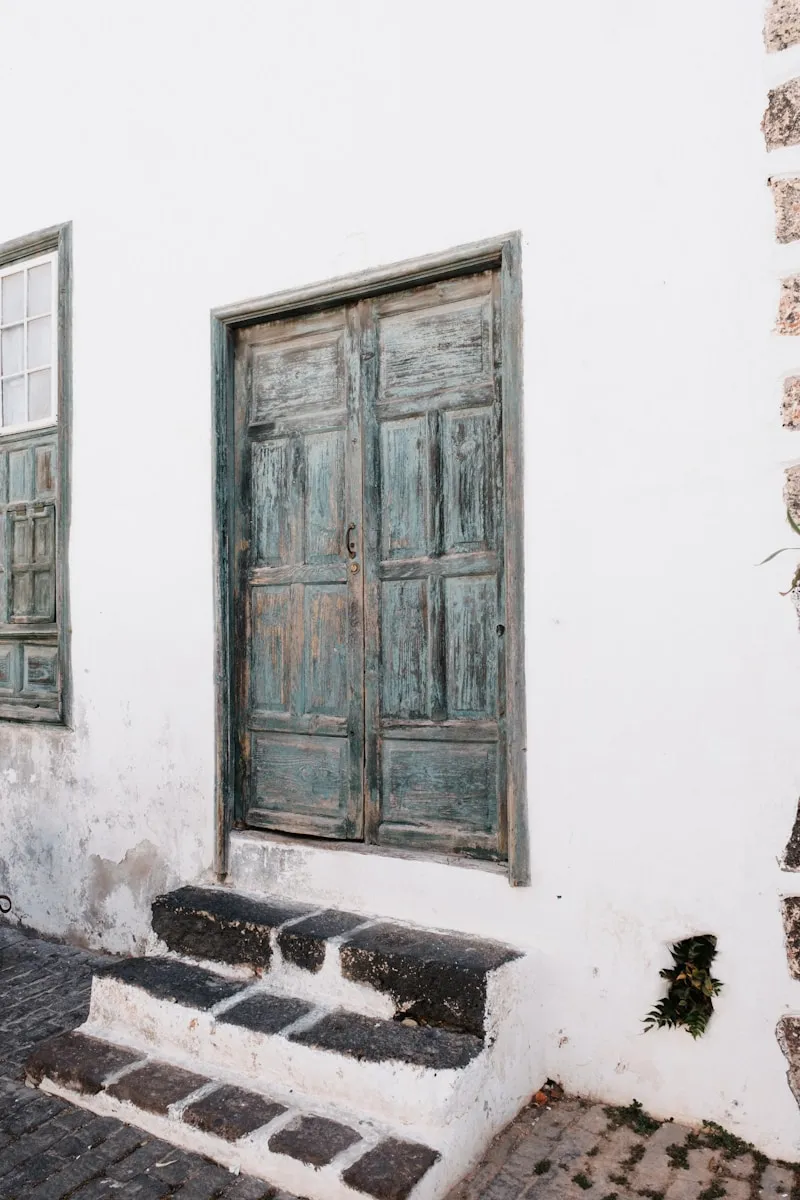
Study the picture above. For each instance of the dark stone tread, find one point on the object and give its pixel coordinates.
(265, 1013)
(155, 1086)
(220, 925)
(304, 944)
(373, 1040)
(391, 1170)
(232, 1113)
(77, 1061)
(438, 979)
(168, 979)
(313, 1140)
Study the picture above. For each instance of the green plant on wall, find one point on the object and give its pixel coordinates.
(784, 550)
(689, 1002)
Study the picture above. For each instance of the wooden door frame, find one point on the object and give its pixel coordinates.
(504, 253)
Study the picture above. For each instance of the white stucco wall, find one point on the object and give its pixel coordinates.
(210, 152)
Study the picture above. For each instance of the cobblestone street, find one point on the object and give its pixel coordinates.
(560, 1150)
(50, 1150)
(572, 1149)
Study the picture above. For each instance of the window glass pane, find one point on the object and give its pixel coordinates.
(39, 290)
(11, 347)
(14, 401)
(39, 396)
(11, 303)
(39, 343)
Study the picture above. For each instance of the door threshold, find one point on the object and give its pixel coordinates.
(392, 883)
(268, 837)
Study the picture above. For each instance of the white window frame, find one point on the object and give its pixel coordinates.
(14, 268)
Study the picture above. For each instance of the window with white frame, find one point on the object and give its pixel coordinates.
(28, 342)
(33, 491)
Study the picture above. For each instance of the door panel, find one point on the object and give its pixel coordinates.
(302, 371)
(404, 487)
(298, 777)
(436, 345)
(470, 621)
(468, 501)
(324, 496)
(435, 709)
(299, 603)
(325, 646)
(405, 671)
(270, 654)
(429, 783)
(275, 492)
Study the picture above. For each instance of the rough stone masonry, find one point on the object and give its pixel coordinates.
(782, 26)
(786, 195)
(781, 124)
(790, 405)
(781, 127)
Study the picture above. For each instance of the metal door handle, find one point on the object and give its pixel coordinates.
(348, 541)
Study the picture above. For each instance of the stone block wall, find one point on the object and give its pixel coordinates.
(790, 408)
(786, 194)
(782, 27)
(781, 128)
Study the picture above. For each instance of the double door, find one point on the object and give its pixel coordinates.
(369, 593)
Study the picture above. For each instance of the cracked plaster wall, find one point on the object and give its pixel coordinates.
(86, 840)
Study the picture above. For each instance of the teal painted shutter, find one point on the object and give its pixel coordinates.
(435, 720)
(30, 684)
(299, 632)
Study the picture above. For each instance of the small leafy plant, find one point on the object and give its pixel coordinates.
(785, 550)
(689, 1002)
(632, 1116)
(717, 1138)
(635, 1155)
(678, 1156)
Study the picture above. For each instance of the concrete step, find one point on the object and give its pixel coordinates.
(318, 1152)
(416, 1043)
(369, 965)
(416, 1075)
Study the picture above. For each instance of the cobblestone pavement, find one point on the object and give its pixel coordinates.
(561, 1150)
(572, 1150)
(50, 1150)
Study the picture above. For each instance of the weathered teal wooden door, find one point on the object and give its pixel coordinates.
(299, 596)
(370, 590)
(435, 724)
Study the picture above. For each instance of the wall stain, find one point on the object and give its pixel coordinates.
(142, 871)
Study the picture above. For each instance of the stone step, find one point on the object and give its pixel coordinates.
(371, 965)
(333, 1054)
(318, 1152)
(399, 1071)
